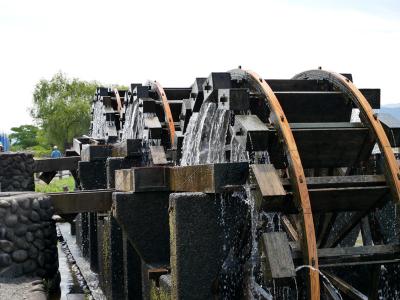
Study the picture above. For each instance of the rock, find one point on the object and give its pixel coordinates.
(10, 234)
(24, 219)
(33, 252)
(14, 206)
(5, 260)
(45, 202)
(20, 230)
(3, 232)
(34, 216)
(12, 271)
(34, 227)
(25, 203)
(4, 204)
(11, 220)
(29, 237)
(3, 212)
(21, 243)
(39, 244)
(19, 255)
(29, 266)
(39, 234)
(6, 246)
(40, 259)
(35, 204)
(41, 272)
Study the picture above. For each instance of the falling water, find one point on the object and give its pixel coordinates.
(204, 140)
(132, 120)
(99, 120)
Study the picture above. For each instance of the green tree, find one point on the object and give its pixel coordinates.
(24, 136)
(61, 106)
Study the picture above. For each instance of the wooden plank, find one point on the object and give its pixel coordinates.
(342, 256)
(158, 155)
(56, 164)
(340, 181)
(211, 178)
(313, 107)
(95, 152)
(290, 230)
(150, 179)
(82, 201)
(124, 180)
(279, 262)
(127, 148)
(332, 200)
(268, 181)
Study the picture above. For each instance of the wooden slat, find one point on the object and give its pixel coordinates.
(56, 164)
(279, 262)
(346, 288)
(342, 256)
(82, 201)
(211, 178)
(268, 181)
(340, 181)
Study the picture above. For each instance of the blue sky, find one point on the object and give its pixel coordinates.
(175, 41)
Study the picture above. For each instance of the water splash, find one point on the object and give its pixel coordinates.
(322, 275)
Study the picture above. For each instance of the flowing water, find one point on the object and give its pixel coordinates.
(204, 140)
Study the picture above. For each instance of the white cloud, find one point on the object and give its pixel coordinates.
(176, 41)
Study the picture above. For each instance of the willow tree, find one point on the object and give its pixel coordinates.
(61, 106)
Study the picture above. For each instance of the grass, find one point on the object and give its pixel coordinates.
(56, 185)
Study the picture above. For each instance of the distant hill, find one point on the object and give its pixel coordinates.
(392, 109)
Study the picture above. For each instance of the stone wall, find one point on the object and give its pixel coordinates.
(16, 171)
(28, 238)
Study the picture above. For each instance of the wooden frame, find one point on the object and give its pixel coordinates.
(297, 176)
(370, 119)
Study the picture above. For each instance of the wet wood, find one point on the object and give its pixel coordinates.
(279, 262)
(346, 288)
(82, 201)
(268, 181)
(158, 155)
(56, 164)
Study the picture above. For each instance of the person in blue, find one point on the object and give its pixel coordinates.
(55, 153)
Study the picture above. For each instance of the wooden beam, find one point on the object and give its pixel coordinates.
(268, 181)
(340, 181)
(210, 178)
(345, 288)
(82, 201)
(158, 155)
(127, 148)
(56, 164)
(342, 256)
(279, 262)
